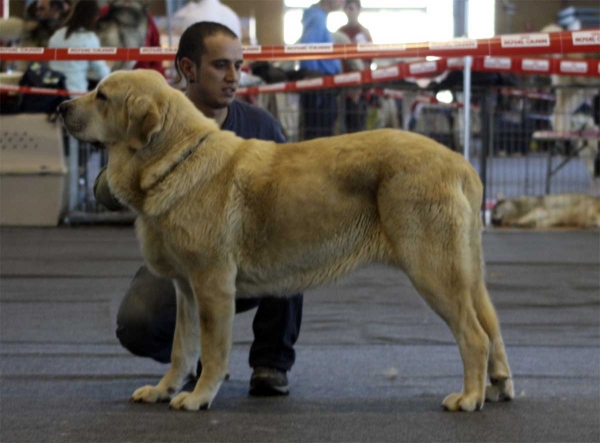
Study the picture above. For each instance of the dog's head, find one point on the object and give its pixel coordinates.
(148, 127)
(127, 107)
(502, 211)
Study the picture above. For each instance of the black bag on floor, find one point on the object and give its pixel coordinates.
(39, 75)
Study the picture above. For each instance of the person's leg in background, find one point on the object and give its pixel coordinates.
(356, 110)
(320, 113)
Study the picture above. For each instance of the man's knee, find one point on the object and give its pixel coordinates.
(136, 333)
(146, 317)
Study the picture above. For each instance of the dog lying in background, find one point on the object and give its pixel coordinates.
(123, 24)
(226, 217)
(561, 210)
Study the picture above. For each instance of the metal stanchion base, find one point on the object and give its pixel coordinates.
(100, 218)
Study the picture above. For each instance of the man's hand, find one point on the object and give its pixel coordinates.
(103, 194)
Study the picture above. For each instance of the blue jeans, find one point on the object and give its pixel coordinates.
(147, 315)
(320, 113)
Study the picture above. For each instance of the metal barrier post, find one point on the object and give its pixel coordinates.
(549, 167)
(467, 89)
(486, 143)
(342, 110)
(73, 173)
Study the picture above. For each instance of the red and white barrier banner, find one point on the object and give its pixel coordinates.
(39, 91)
(538, 95)
(419, 69)
(566, 42)
(516, 65)
(428, 99)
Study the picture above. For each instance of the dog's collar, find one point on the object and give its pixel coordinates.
(181, 159)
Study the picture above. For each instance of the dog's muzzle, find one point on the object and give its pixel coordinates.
(63, 108)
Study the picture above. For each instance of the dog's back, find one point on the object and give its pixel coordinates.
(334, 204)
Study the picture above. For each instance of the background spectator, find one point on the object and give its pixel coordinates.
(207, 11)
(128, 23)
(79, 33)
(319, 108)
(44, 17)
(355, 101)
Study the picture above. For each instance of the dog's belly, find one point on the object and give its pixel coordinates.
(292, 267)
(281, 281)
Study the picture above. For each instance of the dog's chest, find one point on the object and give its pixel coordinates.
(164, 250)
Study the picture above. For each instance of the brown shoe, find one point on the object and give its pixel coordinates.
(267, 382)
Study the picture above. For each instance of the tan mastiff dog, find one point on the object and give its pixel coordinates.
(550, 211)
(227, 217)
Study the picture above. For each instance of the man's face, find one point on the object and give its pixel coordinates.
(218, 76)
(42, 10)
(352, 10)
(336, 5)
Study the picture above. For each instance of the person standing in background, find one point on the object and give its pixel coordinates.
(319, 108)
(43, 18)
(353, 29)
(207, 11)
(78, 32)
(115, 11)
(355, 101)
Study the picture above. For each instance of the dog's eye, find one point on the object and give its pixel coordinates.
(101, 96)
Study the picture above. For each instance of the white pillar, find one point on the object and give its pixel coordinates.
(467, 88)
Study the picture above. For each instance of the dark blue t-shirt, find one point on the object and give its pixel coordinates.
(249, 121)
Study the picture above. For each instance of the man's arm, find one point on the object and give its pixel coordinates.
(103, 194)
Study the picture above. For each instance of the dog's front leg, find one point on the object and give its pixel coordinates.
(533, 219)
(215, 294)
(186, 349)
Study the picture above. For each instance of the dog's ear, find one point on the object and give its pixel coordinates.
(144, 120)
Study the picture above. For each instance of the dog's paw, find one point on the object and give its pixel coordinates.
(462, 402)
(150, 394)
(500, 390)
(190, 402)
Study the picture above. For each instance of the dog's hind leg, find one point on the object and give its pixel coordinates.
(437, 259)
(501, 387)
(186, 349)
(215, 293)
(441, 276)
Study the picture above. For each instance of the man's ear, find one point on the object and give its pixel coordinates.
(144, 120)
(188, 69)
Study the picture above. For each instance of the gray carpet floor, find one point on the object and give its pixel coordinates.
(65, 378)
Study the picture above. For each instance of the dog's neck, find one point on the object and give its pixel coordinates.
(171, 177)
(150, 180)
(163, 169)
(123, 176)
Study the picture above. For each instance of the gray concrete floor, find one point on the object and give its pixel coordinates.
(64, 377)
